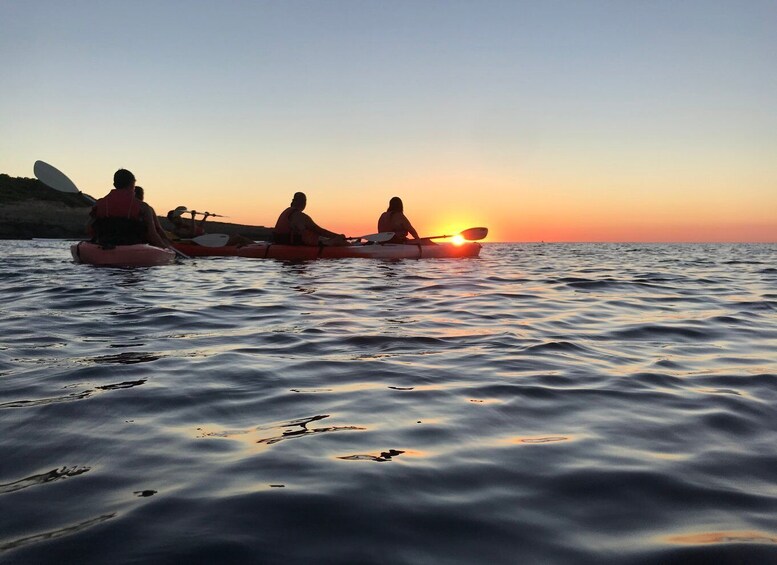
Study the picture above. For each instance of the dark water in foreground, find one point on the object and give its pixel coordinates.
(541, 404)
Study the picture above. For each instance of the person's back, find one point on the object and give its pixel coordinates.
(294, 227)
(394, 219)
(119, 216)
(283, 232)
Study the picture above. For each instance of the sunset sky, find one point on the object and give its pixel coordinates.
(542, 120)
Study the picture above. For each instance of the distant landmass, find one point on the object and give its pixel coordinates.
(29, 208)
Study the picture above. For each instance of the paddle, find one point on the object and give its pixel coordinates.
(471, 234)
(183, 210)
(211, 239)
(375, 237)
(56, 179)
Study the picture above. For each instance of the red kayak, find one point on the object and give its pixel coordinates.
(140, 255)
(368, 251)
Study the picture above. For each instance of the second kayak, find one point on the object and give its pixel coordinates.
(368, 251)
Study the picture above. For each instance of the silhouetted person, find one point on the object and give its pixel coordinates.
(294, 227)
(394, 219)
(119, 218)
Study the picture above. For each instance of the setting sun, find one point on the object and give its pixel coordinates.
(457, 240)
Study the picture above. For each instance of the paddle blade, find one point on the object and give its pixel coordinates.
(53, 177)
(211, 239)
(381, 237)
(374, 237)
(473, 234)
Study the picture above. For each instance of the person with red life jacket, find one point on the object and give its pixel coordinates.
(394, 219)
(294, 227)
(119, 218)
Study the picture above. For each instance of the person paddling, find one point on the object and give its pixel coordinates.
(119, 218)
(394, 219)
(186, 230)
(294, 227)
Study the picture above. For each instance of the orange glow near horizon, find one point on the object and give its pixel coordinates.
(537, 210)
(466, 137)
(532, 222)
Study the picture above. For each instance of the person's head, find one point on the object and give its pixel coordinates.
(175, 216)
(299, 201)
(395, 205)
(139, 193)
(123, 179)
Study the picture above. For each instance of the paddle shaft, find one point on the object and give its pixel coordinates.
(471, 234)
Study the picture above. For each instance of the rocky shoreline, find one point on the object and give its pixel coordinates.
(29, 209)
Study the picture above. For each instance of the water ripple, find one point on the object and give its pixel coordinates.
(545, 403)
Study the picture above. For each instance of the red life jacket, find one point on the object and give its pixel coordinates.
(119, 203)
(119, 219)
(282, 233)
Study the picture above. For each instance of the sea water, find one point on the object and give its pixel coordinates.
(544, 403)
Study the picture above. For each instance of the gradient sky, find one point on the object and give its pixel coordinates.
(543, 120)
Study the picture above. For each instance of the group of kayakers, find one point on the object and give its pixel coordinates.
(122, 217)
(294, 227)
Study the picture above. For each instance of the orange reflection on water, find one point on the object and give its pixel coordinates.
(259, 438)
(540, 439)
(485, 401)
(723, 537)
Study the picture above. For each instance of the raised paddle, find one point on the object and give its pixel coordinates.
(183, 210)
(56, 179)
(471, 234)
(375, 237)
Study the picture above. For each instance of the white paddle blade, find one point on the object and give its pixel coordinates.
(53, 178)
(211, 240)
(381, 237)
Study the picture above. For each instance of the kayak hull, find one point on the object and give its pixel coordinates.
(302, 252)
(194, 250)
(141, 255)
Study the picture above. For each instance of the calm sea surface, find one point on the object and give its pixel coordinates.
(544, 403)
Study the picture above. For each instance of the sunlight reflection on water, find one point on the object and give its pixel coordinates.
(543, 403)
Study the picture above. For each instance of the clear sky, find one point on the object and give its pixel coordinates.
(543, 120)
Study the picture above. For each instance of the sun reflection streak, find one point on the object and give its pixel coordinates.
(724, 537)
